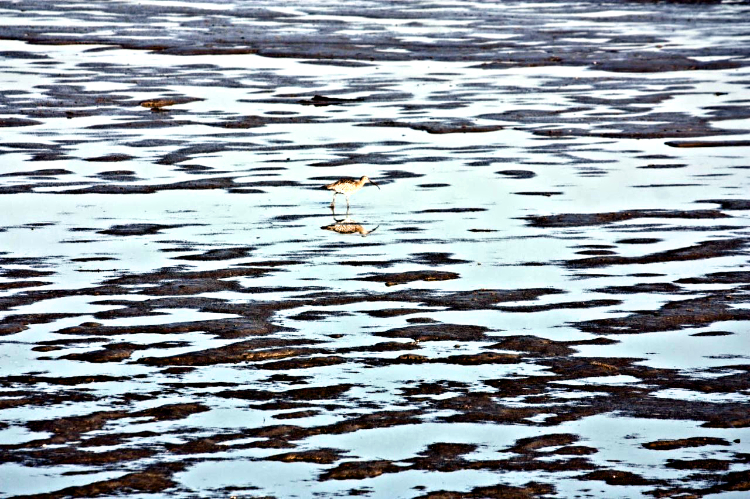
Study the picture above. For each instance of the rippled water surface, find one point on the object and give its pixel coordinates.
(548, 296)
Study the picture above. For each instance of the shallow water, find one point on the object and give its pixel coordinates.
(548, 296)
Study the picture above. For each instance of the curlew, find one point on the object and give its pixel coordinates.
(347, 187)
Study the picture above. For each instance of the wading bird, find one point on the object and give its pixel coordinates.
(347, 187)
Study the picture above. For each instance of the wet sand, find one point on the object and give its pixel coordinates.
(548, 297)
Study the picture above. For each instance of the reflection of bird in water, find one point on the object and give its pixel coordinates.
(348, 226)
(347, 187)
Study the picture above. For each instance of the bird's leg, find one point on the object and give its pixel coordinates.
(333, 202)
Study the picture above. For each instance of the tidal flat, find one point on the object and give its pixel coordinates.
(549, 296)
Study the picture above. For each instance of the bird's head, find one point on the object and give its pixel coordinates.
(366, 179)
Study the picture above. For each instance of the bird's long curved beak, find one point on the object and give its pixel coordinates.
(373, 183)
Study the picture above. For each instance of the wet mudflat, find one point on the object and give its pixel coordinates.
(548, 297)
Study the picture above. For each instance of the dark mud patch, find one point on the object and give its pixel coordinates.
(455, 126)
(219, 254)
(539, 193)
(295, 394)
(138, 229)
(157, 104)
(449, 457)
(22, 284)
(67, 456)
(64, 381)
(110, 158)
(596, 252)
(25, 273)
(481, 299)
(93, 259)
(116, 352)
(152, 480)
(685, 443)
(648, 287)
(517, 174)
(500, 491)
(560, 306)
(478, 359)
(616, 477)
(319, 456)
(452, 210)
(322, 101)
(542, 347)
(439, 332)
(663, 166)
(73, 427)
(300, 415)
(14, 323)
(699, 464)
(659, 186)
(639, 240)
(47, 172)
(655, 62)
(255, 350)
(200, 184)
(317, 315)
(381, 264)
(738, 277)
(223, 328)
(393, 312)
(393, 279)
(701, 251)
(303, 363)
(713, 143)
(17, 122)
(435, 259)
(422, 320)
(713, 333)
(673, 316)
(360, 470)
(593, 219)
(735, 481)
(729, 204)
